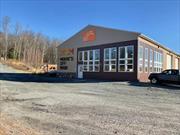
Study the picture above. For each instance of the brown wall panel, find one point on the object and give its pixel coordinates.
(126, 76)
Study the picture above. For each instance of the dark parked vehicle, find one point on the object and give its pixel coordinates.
(166, 76)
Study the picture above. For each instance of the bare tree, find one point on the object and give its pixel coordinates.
(51, 52)
(27, 46)
(5, 25)
(18, 29)
(1, 45)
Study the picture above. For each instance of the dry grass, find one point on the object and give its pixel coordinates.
(19, 65)
(25, 67)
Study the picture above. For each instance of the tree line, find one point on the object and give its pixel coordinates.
(26, 46)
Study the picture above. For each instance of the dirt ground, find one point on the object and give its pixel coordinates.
(9, 126)
(90, 108)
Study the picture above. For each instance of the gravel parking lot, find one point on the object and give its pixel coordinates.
(90, 108)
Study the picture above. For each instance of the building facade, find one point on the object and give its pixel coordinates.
(103, 53)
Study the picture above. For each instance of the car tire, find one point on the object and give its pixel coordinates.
(154, 81)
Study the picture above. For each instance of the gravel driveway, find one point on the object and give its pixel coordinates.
(94, 108)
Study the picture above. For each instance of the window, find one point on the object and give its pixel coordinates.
(90, 60)
(126, 56)
(96, 60)
(140, 58)
(110, 59)
(151, 61)
(158, 60)
(167, 72)
(146, 60)
(80, 56)
(175, 72)
(85, 61)
(86, 55)
(155, 62)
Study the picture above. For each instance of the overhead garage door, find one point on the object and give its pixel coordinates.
(176, 63)
(169, 61)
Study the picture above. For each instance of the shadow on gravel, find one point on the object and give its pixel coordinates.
(28, 77)
(40, 78)
(43, 78)
(163, 85)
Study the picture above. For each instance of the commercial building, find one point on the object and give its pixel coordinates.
(103, 53)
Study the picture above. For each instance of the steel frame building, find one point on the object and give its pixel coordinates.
(97, 52)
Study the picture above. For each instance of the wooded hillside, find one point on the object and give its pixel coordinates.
(26, 46)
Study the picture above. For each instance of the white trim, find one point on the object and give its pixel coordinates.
(146, 60)
(158, 62)
(110, 59)
(140, 60)
(88, 60)
(151, 61)
(126, 59)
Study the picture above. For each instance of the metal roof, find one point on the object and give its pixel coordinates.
(158, 44)
(138, 33)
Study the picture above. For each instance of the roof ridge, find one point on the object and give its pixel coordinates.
(113, 29)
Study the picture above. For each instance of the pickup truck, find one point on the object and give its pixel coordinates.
(166, 76)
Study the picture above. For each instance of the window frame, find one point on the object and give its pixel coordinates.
(158, 62)
(146, 60)
(140, 59)
(109, 60)
(79, 56)
(126, 59)
(90, 62)
(151, 61)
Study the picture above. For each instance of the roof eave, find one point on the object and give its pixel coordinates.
(157, 43)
